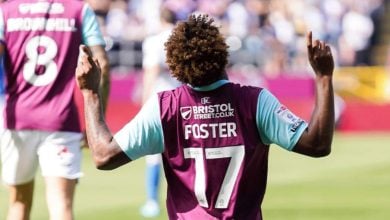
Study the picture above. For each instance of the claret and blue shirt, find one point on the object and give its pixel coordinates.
(272, 120)
(42, 42)
(214, 142)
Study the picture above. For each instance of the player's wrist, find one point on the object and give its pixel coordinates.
(89, 94)
(324, 83)
(324, 78)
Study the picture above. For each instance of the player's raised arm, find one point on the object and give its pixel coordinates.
(100, 54)
(317, 139)
(106, 153)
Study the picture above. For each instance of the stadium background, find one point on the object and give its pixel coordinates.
(266, 39)
(267, 48)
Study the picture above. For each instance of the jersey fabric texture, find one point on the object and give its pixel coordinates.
(212, 138)
(214, 142)
(42, 40)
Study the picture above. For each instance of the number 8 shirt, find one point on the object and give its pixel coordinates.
(42, 44)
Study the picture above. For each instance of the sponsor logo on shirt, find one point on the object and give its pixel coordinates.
(207, 111)
(286, 115)
(296, 125)
(186, 112)
(281, 109)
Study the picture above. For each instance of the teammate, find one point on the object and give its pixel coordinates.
(156, 78)
(40, 43)
(214, 135)
(1, 96)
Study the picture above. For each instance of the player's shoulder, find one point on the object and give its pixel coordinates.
(246, 88)
(171, 93)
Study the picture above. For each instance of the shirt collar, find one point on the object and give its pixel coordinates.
(212, 86)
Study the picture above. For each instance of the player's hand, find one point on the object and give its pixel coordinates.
(88, 71)
(320, 56)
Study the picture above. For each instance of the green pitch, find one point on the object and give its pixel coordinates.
(353, 183)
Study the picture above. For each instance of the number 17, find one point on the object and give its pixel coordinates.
(236, 153)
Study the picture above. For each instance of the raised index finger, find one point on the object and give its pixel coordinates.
(86, 50)
(86, 53)
(309, 41)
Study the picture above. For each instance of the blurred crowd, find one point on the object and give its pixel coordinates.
(266, 35)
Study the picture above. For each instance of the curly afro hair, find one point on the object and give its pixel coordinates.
(196, 51)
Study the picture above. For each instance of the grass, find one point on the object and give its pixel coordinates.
(352, 183)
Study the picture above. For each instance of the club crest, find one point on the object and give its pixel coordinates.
(186, 112)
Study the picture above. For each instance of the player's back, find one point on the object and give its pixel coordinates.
(214, 160)
(41, 39)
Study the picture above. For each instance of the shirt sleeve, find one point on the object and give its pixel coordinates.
(143, 134)
(2, 25)
(276, 123)
(92, 35)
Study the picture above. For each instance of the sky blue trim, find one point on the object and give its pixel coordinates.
(2, 25)
(272, 127)
(92, 35)
(212, 86)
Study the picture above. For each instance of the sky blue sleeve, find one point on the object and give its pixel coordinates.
(277, 124)
(2, 25)
(92, 35)
(143, 134)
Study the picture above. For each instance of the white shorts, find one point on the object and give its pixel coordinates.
(2, 105)
(57, 153)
